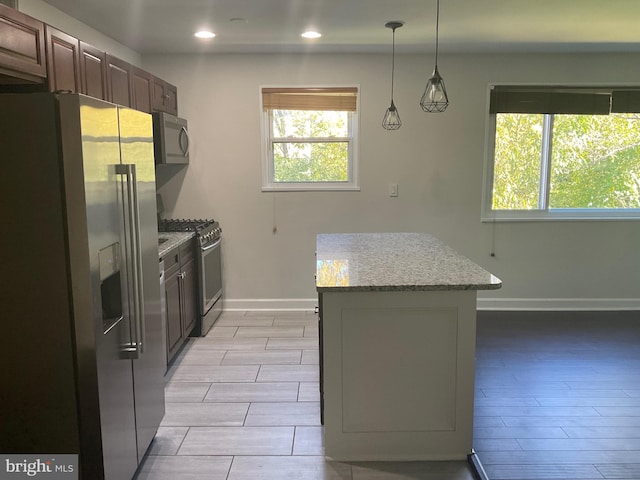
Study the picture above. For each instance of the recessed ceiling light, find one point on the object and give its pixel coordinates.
(311, 34)
(204, 34)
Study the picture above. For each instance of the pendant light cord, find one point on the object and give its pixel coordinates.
(437, 28)
(393, 61)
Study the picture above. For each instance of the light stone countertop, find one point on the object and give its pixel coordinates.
(394, 262)
(175, 239)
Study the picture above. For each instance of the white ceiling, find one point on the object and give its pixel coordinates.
(167, 26)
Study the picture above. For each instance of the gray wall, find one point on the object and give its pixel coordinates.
(436, 159)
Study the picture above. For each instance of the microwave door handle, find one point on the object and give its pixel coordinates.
(183, 140)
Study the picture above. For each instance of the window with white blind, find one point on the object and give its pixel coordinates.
(309, 138)
(563, 153)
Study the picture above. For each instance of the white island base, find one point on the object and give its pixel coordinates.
(398, 374)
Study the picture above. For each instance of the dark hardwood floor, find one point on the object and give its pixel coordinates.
(558, 395)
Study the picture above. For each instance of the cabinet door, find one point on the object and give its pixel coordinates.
(190, 296)
(142, 89)
(63, 61)
(171, 99)
(22, 51)
(165, 97)
(118, 81)
(174, 307)
(93, 71)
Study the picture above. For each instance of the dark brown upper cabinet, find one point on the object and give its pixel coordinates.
(63, 61)
(118, 81)
(129, 85)
(93, 71)
(165, 96)
(22, 51)
(38, 57)
(142, 85)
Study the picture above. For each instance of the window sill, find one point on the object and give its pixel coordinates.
(564, 215)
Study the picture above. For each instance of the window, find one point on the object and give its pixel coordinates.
(563, 153)
(310, 138)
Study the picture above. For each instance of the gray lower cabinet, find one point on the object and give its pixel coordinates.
(181, 296)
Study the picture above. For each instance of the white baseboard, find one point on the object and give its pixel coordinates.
(523, 304)
(555, 304)
(270, 304)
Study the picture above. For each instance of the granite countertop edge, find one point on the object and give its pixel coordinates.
(395, 262)
(174, 240)
(410, 288)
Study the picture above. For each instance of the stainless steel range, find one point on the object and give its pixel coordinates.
(209, 240)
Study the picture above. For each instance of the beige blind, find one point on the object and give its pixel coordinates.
(331, 98)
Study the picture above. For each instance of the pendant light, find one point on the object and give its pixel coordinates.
(434, 98)
(391, 120)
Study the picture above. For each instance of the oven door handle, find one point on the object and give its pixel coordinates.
(213, 245)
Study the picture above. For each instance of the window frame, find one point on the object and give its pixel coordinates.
(544, 213)
(268, 183)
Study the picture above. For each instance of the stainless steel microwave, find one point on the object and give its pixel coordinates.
(170, 139)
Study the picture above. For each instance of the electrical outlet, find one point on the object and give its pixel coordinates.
(393, 189)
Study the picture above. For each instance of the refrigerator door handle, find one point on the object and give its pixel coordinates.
(132, 230)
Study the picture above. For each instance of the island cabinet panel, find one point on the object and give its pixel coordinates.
(118, 81)
(415, 352)
(398, 379)
(93, 71)
(22, 48)
(63, 61)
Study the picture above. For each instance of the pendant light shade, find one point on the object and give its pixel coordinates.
(391, 120)
(434, 98)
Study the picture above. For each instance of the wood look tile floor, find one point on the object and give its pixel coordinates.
(557, 397)
(243, 403)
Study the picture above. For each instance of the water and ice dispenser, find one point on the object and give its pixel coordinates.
(110, 286)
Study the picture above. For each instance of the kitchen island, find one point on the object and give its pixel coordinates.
(397, 339)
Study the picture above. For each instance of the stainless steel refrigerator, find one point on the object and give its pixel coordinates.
(81, 334)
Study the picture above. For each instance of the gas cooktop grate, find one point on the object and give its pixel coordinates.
(184, 225)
